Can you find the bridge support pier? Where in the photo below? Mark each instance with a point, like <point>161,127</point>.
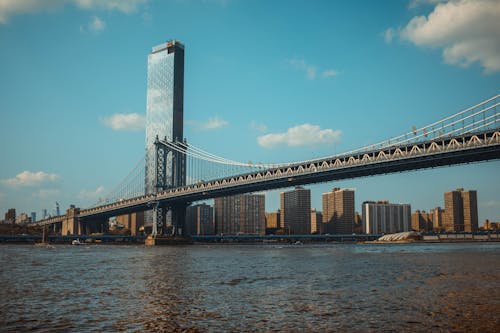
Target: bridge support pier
<point>71,223</point>
<point>178,219</point>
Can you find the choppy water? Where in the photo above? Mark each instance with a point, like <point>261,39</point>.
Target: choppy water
<point>251,288</point>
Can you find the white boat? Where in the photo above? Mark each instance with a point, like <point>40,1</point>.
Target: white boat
<point>77,242</point>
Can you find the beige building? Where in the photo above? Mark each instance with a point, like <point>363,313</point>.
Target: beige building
<point>422,221</point>
<point>460,211</point>
<point>240,214</point>
<point>132,222</point>
<point>273,220</point>
<point>338,211</point>
<point>316,221</point>
<point>295,207</point>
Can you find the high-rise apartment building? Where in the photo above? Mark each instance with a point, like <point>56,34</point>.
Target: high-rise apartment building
<point>10,216</point>
<point>295,207</point>
<point>165,115</point>
<point>461,213</point>
<point>384,217</point>
<point>273,220</point>
<point>427,221</point>
<point>240,214</point>
<point>316,221</point>
<point>338,211</point>
<point>200,220</point>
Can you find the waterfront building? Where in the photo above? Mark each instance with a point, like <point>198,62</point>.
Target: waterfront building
<point>460,211</point>
<point>422,221</point>
<point>295,207</point>
<point>240,214</point>
<point>23,218</point>
<point>33,217</point>
<point>316,221</point>
<point>44,214</point>
<point>272,222</point>
<point>200,220</point>
<point>10,216</point>
<point>358,223</point>
<point>384,217</point>
<point>338,211</point>
<point>165,115</point>
<point>133,222</point>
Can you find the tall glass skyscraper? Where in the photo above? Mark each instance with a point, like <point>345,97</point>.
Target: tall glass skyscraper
<point>165,109</point>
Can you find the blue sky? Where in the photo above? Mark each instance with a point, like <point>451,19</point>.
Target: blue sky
<point>73,88</point>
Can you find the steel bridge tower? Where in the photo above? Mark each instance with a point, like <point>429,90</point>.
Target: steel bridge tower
<point>165,168</point>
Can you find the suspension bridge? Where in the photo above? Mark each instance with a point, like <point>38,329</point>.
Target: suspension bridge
<point>470,135</point>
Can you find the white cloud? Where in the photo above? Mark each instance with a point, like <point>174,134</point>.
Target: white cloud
<point>96,24</point>
<point>215,123</point>
<point>389,35</point>
<point>91,194</point>
<point>302,65</point>
<point>468,31</point>
<point>46,193</point>
<point>311,71</point>
<point>259,127</point>
<point>301,135</point>
<point>125,122</point>
<point>9,8</point>
<point>329,72</point>
<point>28,178</point>
<point>211,124</point>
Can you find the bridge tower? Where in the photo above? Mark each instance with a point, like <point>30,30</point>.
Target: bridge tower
<point>164,120</point>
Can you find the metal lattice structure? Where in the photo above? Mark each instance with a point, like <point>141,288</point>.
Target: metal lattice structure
<point>470,135</point>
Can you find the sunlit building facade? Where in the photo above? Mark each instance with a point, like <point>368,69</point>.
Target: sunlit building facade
<point>461,212</point>
<point>338,211</point>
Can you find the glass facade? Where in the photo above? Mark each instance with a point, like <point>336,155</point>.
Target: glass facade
<point>164,111</point>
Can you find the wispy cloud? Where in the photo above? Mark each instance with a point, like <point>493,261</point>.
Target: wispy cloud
<point>9,8</point>
<point>124,6</point>
<point>491,203</point>
<point>46,193</point>
<point>91,194</point>
<point>28,178</point>
<point>301,135</point>
<point>259,127</point>
<point>95,25</point>
<point>467,31</point>
<point>329,72</point>
<point>211,124</point>
<point>310,70</point>
<point>125,122</point>
<point>389,35</point>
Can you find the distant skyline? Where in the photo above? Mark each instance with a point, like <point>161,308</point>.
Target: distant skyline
<point>284,80</point>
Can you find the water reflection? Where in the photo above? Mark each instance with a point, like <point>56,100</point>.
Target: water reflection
<point>251,288</point>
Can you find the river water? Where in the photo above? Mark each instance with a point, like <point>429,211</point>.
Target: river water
<point>251,288</point>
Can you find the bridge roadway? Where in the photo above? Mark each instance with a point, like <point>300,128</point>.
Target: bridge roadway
<point>467,148</point>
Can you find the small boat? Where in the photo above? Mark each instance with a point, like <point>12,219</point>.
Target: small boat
<point>77,242</point>
<point>297,243</point>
